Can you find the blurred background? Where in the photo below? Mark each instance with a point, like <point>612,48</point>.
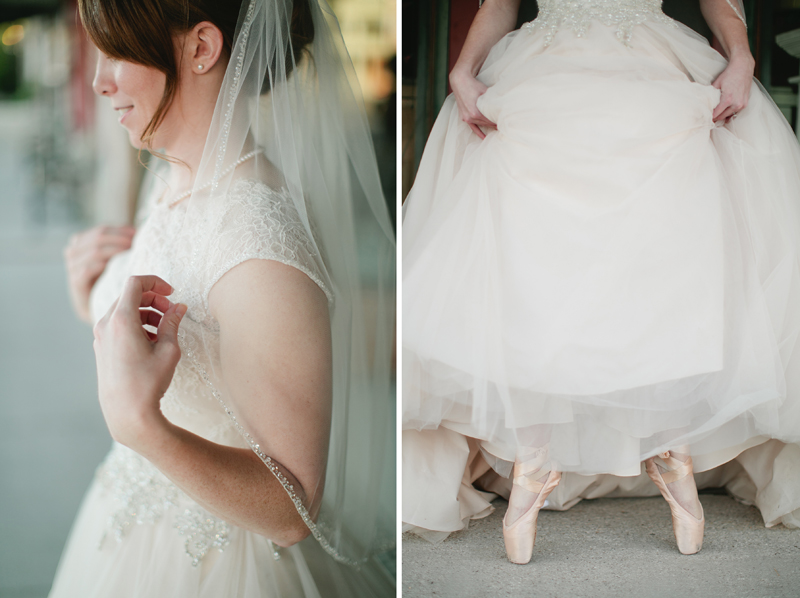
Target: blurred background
<point>435,30</point>
<point>66,165</point>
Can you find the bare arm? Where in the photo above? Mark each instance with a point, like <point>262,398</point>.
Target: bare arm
<point>726,26</point>
<point>735,81</point>
<point>276,359</point>
<point>494,20</point>
<point>231,483</point>
<point>86,258</point>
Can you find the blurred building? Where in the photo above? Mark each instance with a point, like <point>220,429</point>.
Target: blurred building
<point>369,28</point>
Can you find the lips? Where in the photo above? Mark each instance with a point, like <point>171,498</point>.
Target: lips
<point>123,111</point>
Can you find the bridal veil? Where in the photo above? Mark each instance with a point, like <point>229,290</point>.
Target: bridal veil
<point>290,107</point>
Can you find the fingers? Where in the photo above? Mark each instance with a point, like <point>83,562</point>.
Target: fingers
<point>135,302</point>
<point>728,115</point>
<point>477,131</point>
<point>476,123</point>
<point>87,273</point>
<point>147,317</point>
<point>150,317</point>
<point>88,253</point>
<point>95,256</point>
<point>475,120</point>
<point>134,291</point>
<point>118,236</point>
<point>720,109</point>
<point>102,322</point>
<point>734,96</point>
<point>727,112</point>
<point>475,126</point>
<point>468,90</point>
<point>167,345</point>
<point>150,282</point>
<point>105,246</point>
<point>155,301</point>
<point>113,232</point>
<point>481,120</point>
<point>147,284</point>
<point>485,123</point>
<point>727,107</point>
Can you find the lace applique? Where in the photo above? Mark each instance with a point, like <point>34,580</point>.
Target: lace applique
<point>262,223</point>
<point>186,384</point>
<point>139,496</point>
<point>577,15</point>
<point>142,495</point>
<point>171,402</point>
<point>203,532</point>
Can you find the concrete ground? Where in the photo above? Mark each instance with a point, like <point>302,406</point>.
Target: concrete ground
<point>613,547</point>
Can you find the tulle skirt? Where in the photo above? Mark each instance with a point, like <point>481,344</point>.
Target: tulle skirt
<point>608,275</point>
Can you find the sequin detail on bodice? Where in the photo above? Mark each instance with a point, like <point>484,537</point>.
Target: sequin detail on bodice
<point>255,222</point>
<point>142,495</point>
<point>555,15</point>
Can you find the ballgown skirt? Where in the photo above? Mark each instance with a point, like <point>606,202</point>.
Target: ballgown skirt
<point>608,275</point>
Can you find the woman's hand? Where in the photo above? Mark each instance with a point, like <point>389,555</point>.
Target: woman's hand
<point>134,366</point>
<point>467,89</point>
<point>86,257</point>
<point>734,84</point>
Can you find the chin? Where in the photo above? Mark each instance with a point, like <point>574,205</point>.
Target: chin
<point>135,139</point>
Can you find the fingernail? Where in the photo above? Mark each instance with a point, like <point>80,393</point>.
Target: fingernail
<point>181,310</point>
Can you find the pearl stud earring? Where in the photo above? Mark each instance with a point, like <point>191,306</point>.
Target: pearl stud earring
<point>199,67</point>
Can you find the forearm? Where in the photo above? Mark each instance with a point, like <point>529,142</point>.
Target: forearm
<point>727,28</point>
<point>494,20</point>
<point>231,483</point>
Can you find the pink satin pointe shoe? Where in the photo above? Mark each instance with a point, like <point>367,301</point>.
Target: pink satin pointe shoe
<point>520,536</point>
<point>688,528</point>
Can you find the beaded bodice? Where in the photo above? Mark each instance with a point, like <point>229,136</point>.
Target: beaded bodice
<point>256,222</point>
<point>555,15</point>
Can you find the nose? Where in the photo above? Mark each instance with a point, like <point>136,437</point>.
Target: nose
<point>103,84</point>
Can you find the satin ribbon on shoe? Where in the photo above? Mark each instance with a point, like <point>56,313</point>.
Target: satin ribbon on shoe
<point>688,529</point>
<point>520,536</point>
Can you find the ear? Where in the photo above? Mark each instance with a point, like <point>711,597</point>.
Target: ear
<point>205,44</point>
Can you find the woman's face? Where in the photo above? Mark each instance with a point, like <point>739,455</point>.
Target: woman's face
<point>135,92</point>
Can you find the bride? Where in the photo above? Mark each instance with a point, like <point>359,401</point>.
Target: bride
<point>231,330</point>
<point>601,269</point>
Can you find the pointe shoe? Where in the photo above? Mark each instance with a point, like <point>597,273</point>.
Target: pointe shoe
<point>688,528</point>
<point>520,536</point>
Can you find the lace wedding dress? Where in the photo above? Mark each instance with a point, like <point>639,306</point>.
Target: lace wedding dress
<point>137,534</point>
<point>609,275</point>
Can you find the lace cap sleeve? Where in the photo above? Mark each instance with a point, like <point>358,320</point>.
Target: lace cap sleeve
<point>259,222</point>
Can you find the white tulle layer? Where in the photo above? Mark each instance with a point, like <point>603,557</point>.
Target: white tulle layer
<point>610,272</point>
<point>151,561</point>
